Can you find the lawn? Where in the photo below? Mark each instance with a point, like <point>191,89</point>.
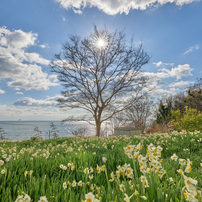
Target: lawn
<point>156,167</point>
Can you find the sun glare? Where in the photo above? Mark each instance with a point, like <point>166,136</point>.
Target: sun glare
<point>100,43</point>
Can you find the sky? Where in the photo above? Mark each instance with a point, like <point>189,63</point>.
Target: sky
<point>33,31</point>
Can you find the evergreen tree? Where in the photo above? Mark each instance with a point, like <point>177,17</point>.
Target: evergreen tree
<point>164,114</point>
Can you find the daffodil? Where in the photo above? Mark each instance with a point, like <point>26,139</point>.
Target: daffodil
<point>86,171</point>
<point>80,183</point>
<point>1,162</point>
<point>104,159</point>
<point>174,157</point>
<point>91,177</point>
<point>19,198</point>
<point>122,187</point>
<point>127,198</point>
<point>190,184</point>
<point>43,199</point>
<point>74,183</point>
<point>90,198</point>
<point>4,171</point>
<point>64,185</point>
<point>27,198</point>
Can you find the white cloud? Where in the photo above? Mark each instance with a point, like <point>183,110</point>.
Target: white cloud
<point>157,79</point>
<point>44,46</point>
<point>158,64</point>
<point>196,47</point>
<point>54,77</point>
<point>163,92</point>
<point>176,72</point>
<point>19,93</point>
<point>20,66</point>
<point>27,101</point>
<point>16,88</point>
<point>180,71</point>
<point>77,11</point>
<point>63,18</point>
<point>17,38</point>
<point>2,91</point>
<point>113,7</point>
<point>35,58</point>
<point>181,83</point>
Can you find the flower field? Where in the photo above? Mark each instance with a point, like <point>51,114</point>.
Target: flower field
<point>157,167</point>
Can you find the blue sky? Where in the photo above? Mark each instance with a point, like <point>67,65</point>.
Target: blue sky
<point>32,31</point>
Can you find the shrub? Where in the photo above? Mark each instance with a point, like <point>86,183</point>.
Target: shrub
<point>190,120</point>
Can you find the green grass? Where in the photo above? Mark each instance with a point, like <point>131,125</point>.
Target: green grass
<point>45,157</point>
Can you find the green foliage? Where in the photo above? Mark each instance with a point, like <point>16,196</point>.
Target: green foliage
<point>191,120</point>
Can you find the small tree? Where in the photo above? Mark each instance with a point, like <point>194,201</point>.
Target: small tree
<point>2,133</point>
<point>54,132</point>
<point>38,134</point>
<point>101,74</point>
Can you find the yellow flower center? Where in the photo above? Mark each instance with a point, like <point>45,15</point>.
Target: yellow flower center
<point>196,197</point>
<point>189,169</point>
<point>129,171</point>
<point>185,195</point>
<point>128,147</point>
<point>155,150</point>
<point>88,200</point>
<point>188,182</point>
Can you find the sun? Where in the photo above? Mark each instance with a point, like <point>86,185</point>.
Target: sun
<point>101,42</point>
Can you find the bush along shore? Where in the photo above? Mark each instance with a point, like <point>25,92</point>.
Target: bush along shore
<point>157,167</point>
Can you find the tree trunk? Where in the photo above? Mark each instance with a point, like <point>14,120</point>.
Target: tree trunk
<point>98,127</point>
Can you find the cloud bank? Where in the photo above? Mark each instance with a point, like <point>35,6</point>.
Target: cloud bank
<point>21,67</point>
<point>27,101</point>
<point>168,71</point>
<point>113,7</point>
<point>176,72</point>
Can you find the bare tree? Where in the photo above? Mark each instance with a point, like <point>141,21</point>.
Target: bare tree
<point>100,74</point>
<point>139,113</point>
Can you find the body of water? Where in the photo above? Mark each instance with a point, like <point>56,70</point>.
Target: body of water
<point>24,130</point>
